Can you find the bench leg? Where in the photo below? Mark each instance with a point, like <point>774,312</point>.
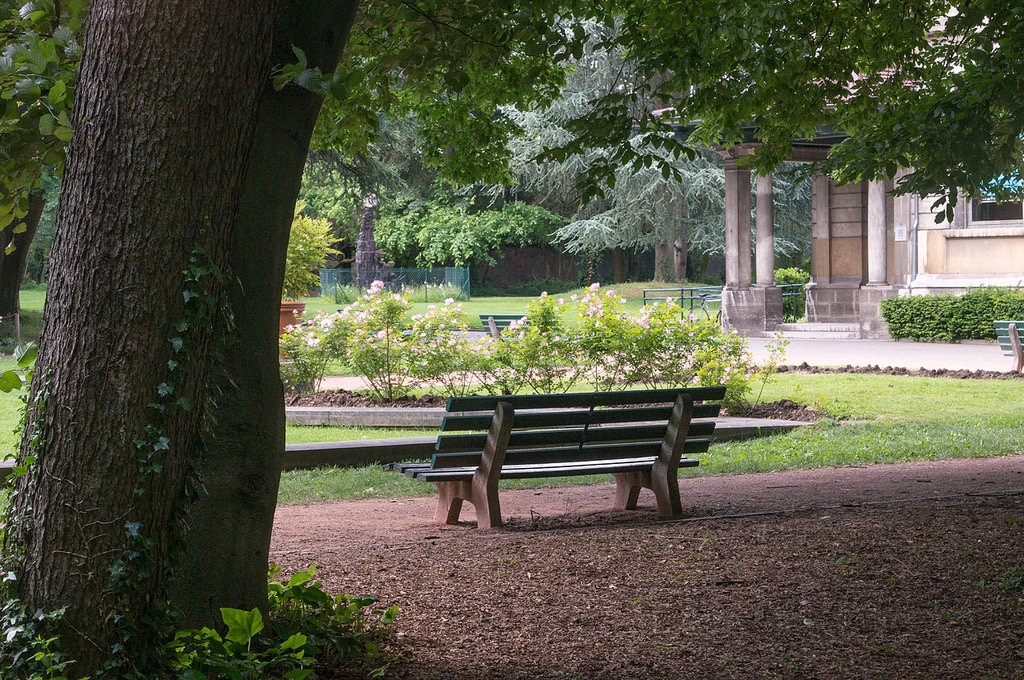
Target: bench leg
<point>450,496</point>
<point>482,489</point>
<point>665,485</point>
<point>449,501</point>
<point>627,488</point>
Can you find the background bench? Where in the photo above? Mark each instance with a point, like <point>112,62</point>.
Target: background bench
<point>1008,333</point>
<point>637,436</point>
<point>496,323</point>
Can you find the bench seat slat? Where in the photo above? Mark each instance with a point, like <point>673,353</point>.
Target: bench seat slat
<point>406,467</point>
<point>695,445</point>
<point>548,470</point>
<point>557,454</point>
<point>444,460</point>
<point>449,443</point>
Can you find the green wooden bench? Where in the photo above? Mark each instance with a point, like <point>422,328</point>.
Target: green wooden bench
<point>1008,334</point>
<point>638,436</point>
<point>496,323</point>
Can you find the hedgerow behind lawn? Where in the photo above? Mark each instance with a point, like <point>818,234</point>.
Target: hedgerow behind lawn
<point>870,419</point>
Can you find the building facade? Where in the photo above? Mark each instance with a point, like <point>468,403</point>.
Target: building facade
<point>867,245</point>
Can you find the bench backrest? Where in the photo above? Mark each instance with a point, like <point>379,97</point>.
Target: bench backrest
<point>575,427</point>
<point>1003,334</point>
<point>495,323</point>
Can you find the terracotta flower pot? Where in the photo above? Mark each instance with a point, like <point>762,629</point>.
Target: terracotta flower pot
<point>291,314</point>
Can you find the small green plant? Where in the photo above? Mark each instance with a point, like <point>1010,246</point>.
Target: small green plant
<point>309,243</point>
<point>28,648</point>
<point>239,653</point>
<point>306,627</point>
<point>1013,579</point>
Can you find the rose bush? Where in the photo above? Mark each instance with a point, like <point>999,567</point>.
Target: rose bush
<point>442,353</point>
<point>307,349</point>
<point>659,346</point>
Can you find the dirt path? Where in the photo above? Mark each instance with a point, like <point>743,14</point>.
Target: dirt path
<point>889,571</point>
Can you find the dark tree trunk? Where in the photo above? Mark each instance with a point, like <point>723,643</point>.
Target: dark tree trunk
<point>167,98</point>
<point>227,548</point>
<point>679,254</point>
<point>702,269</point>
<point>618,265</point>
<point>12,264</point>
<point>663,265</point>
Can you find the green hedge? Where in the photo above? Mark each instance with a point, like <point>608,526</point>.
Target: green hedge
<point>951,317</point>
<point>793,307</point>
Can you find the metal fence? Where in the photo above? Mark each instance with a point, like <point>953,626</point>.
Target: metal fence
<point>428,285</point>
<point>708,300</point>
<point>794,300</point>
<point>703,299</point>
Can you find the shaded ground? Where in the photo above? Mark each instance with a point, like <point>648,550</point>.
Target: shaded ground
<point>890,571</point>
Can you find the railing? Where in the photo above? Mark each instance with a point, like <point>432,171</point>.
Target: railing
<point>794,296</point>
<point>699,299</point>
<point>430,285</point>
<point>691,300</point>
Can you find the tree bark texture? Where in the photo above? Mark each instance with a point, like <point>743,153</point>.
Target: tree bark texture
<point>165,113</point>
<point>227,547</point>
<point>663,265</point>
<point>619,268</point>
<point>12,264</point>
<point>680,251</point>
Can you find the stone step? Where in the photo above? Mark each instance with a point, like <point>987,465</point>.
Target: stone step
<point>821,331</point>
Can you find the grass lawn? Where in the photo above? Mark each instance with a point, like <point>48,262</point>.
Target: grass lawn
<point>871,419</point>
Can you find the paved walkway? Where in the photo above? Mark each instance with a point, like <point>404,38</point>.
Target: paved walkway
<point>974,356</point>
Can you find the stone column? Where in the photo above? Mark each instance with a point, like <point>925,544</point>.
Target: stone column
<point>737,225</point>
<point>765,211</point>
<point>876,234</point>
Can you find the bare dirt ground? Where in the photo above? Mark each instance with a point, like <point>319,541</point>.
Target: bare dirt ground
<point>890,571</point>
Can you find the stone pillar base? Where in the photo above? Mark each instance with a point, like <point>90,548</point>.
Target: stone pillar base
<point>831,303</point>
<point>753,312</point>
<point>871,323</point>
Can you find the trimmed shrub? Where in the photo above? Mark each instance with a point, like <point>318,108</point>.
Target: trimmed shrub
<point>952,318</point>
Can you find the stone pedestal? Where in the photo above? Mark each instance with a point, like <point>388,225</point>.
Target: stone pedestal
<point>754,312</point>
<point>871,323</point>
<point>833,303</point>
